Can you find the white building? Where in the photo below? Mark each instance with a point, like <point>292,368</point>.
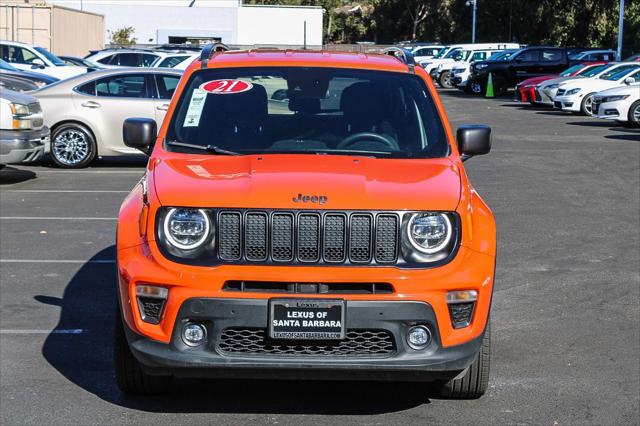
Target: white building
<point>228,21</point>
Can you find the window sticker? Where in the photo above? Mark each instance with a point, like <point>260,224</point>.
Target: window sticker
<point>194,112</point>
<point>226,86</point>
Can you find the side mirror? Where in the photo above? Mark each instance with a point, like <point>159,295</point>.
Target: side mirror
<point>629,80</point>
<point>473,139</point>
<point>37,63</point>
<point>140,133</point>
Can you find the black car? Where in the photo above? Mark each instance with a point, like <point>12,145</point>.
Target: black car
<point>17,84</point>
<point>526,63</point>
<point>36,78</point>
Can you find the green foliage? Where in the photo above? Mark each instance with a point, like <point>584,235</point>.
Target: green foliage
<point>122,36</point>
<point>588,23</point>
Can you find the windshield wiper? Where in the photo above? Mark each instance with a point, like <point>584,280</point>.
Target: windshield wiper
<point>208,148</point>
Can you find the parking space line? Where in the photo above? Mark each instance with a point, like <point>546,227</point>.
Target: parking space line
<point>90,191</point>
<point>54,218</point>
<point>55,331</point>
<point>94,261</point>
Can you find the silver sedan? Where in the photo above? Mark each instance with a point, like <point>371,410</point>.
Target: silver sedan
<point>85,113</point>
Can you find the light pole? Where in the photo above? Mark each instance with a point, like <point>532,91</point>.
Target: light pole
<point>474,4</point>
<point>620,30</point>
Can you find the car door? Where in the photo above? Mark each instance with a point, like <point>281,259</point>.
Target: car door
<point>21,57</point>
<point>165,87</point>
<point>525,65</point>
<point>115,98</point>
<point>551,62</point>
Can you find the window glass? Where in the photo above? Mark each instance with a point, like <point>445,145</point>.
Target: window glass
<point>87,88</point>
<point>127,60</point>
<point>571,70</point>
<point>122,86</point>
<point>478,56</point>
<point>617,73</point>
<point>17,55</point>
<point>172,61</point>
<point>592,71</point>
<point>551,55</point>
<point>529,56</point>
<point>636,76</point>
<point>167,85</point>
<point>50,56</point>
<point>106,60</point>
<point>310,110</point>
<point>148,59</point>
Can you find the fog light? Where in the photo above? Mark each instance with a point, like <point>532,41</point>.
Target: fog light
<point>193,334</point>
<point>419,337</point>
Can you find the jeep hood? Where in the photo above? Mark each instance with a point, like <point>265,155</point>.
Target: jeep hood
<point>273,181</point>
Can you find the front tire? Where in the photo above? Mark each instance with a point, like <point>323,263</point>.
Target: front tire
<point>445,80</point>
<point>73,146</point>
<point>586,107</point>
<point>130,376</point>
<point>474,383</point>
<point>634,114</point>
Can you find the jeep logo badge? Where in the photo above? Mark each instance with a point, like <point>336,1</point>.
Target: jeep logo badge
<point>321,199</point>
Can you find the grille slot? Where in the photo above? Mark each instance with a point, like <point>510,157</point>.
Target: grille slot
<point>229,236</point>
<point>334,237</point>
<point>255,236</point>
<point>308,237</point>
<point>357,343</point>
<point>282,237</point>
<point>360,238</point>
<point>307,288</point>
<point>386,238</point>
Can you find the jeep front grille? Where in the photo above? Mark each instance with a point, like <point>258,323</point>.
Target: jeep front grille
<point>307,237</point>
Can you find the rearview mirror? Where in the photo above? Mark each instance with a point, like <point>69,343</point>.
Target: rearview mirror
<point>140,133</point>
<point>473,139</point>
<point>629,80</point>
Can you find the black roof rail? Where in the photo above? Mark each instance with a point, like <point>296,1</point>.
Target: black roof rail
<point>402,55</point>
<point>209,50</point>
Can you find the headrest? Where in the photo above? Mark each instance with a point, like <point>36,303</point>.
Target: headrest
<point>305,105</point>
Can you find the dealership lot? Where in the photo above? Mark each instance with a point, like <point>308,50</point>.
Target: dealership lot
<point>564,190</point>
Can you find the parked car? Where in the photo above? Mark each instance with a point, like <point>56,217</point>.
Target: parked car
<point>593,56</point>
<point>422,52</point>
<point>462,71</point>
<point>620,103</point>
<point>525,91</point>
<point>125,57</point>
<point>577,95</point>
<point>455,53</point>
<point>35,78</point>
<point>443,74</point>
<point>35,58</point>
<point>86,113</point>
<point>81,62</point>
<point>179,61</point>
<point>244,253</point>
<point>23,135</point>
<point>634,58</point>
<point>528,62</point>
<point>545,92</point>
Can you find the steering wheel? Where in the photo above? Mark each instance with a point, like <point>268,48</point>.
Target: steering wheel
<point>361,136</point>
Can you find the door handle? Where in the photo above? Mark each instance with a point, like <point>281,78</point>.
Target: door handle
<point>163,107</point>
<point>91,104</point>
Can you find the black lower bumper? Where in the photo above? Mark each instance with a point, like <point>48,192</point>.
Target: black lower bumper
<point>209,360</point>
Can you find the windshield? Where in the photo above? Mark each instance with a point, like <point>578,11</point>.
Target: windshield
<point>453,53</point>
<point>309,110</point>
<point>571,70</point>
<point>51,57</point>
<point>593,71</point>
<point>501,56</point>
<point>7,66</point>
<point>617,73</point>
<point>441,53</point>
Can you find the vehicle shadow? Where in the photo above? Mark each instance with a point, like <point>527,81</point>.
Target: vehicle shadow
<point>635,138</point>
<point>120,161</point>
<point>594,123</point>
<point>85,359</point>
<point>9,175</point>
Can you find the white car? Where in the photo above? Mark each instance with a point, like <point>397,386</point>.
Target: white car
<point>86,113</point>
<point>546,91</point>
<point>35,58</point>
<point>577,95</point>
<point>454,53</point>
<point>620,103</point>
<point>426,51</point>
<point>123,57</point>
<point>444,71</point>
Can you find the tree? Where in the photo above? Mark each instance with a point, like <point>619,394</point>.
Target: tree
<point>122,36</point>
<point>418,11</point>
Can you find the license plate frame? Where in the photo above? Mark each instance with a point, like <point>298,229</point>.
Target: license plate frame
<point>308,310</point>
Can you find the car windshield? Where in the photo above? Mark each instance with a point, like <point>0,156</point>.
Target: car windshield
<point>593,71</point>
<point>7,66</point>
<point>571,70</point>
<point>617,73</point>
<point>51,57</point>
<point>441,53</point>
<point>308,110</point>
<point>453,54</point>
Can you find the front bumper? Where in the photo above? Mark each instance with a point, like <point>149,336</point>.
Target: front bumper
<point>23,145</point>
<point>567,103</point>
<point>178,359</point>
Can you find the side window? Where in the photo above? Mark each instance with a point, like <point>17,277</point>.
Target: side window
<point>171,61</point>
<point>478,56</point>
<point>148,59</point>
<point>167,85</point>
<point>421,52</point>
<point>127,60</point>
<point>106,60</point>
<point>87,88</point>
<point>529,56</point>
<point>636,76</point>
<point>551,55</point>
<point>123,86</point>
<point>17,55</point>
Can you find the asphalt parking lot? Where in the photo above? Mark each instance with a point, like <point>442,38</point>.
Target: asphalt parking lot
<point>565,319</point>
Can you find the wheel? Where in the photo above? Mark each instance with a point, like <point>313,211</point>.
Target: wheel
<point>130,377</point>
<point>634,114</point>
<point>476,88</point>
<point>73,146</point>
<point>586,107</point>
<point>475,381</point>
<point>445,80</point>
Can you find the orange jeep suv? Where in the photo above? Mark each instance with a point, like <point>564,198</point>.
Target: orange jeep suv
<point>305,214</point>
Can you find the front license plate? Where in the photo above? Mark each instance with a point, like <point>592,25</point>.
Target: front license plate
<point>302,319</point>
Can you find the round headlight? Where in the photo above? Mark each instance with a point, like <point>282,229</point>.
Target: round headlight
<point>185,228</point>
<point>429,232</point>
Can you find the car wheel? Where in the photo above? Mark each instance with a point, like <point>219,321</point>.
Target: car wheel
<point>73,146</point>
<point>586,107</point>
<point>445,80</point>
<point>473,384</point>
<point>634,114</point>
<point>130,376</point>
<point>476,88</point>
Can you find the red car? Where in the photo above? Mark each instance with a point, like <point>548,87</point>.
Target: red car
<point>525,91</point>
